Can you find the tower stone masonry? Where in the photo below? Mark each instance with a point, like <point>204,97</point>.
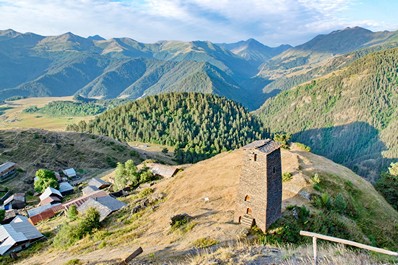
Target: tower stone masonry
<point>259,195</point>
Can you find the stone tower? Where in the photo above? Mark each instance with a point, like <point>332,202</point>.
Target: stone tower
<point>259,196</point>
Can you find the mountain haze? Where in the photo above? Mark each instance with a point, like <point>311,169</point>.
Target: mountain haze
<point>64,65</point>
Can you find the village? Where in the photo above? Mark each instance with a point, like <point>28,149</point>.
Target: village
<point>18,231</point>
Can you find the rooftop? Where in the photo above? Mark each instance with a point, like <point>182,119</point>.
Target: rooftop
<point>266,146</point>
<point>163,170</point>
<point>48,192</point>
<point>99,183</point>
<point>6,165</point>
<point>104,205</point>
<point>70,172</point>
<point>16,196</point>
<point>18,230</point>
<point>65,186</point>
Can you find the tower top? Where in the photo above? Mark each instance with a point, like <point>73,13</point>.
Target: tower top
<point>266,146</point>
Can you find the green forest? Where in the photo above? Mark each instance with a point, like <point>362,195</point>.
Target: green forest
<point>67,108</point>
<point>350,116</point>
<point>197,125</point>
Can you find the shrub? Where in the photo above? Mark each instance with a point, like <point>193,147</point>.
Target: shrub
<point>204,242</point>
<point>286,176</point>
<point>283,139</point>
<point>340,204</point>
<point>165,150</point>
<point>303,147</point>
<point>72,232</point>
<point>73,262</point>
<point>72,212</point>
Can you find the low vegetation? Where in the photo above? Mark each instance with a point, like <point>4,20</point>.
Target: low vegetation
<point>286,176</point>
<point>387,185</point>
<point>75,230</point>
<point>204,242</point>
<point>127,175</point>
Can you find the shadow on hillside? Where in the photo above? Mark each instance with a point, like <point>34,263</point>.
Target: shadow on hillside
<point>356,145</point>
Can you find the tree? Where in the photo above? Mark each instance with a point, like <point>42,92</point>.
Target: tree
<point>45,178</point>
<point>387,185</point>
<point>2,214</point>
<point>283,139</point>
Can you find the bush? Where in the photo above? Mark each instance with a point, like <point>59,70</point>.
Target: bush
<point>204,242</point>
<point>303,147</point>
<point>72,212</point>
<point>340,204</point>
<point>283,139</point>
<point>73,232</point>
<point>165,150</point>
<point>387,185</point>
<point>286,176</point>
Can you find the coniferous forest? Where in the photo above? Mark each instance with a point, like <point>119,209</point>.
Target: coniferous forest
<point>197,125</point>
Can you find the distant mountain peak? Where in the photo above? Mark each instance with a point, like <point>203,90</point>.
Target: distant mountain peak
<point>96,37</point>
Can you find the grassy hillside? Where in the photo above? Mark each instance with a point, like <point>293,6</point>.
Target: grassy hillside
<point>35,149</point>
<point>349,116</point>
<point>14,116</point>
<point>198,125</point>
<point>374,222</point>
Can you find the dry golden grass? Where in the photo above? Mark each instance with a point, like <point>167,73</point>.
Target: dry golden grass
<point>15,118</point>
<point>216,179</point>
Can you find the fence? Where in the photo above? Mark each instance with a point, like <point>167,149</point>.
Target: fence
<point>315,236</point>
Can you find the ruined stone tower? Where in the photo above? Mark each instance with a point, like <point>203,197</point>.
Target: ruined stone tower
<point>259,196</point>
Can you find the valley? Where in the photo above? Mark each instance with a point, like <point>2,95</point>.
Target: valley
<point>168,129</point>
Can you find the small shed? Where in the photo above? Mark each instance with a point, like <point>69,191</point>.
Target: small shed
<point>70,173</point>
<point>98,183</point>
<point>15,201</point>
<point>104,205</point>
<point>17,235</point>
<point>163,170</point>
<point>89,189</point>
<point>65,188</point>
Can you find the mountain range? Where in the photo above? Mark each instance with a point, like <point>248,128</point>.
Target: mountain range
<point>246,71</point>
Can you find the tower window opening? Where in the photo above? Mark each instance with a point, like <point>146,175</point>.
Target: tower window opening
<point>248,211</point>
<point>247,198</point>
<point>255,157</point>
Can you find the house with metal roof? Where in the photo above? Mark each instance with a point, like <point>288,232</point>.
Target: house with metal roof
<point>50,196</point>
<point>89,189</point>
<point>17,235</point>
<point>104,205</point>
<point>44,212</point>
<point>70,173</point>
<point>15,201</point>
<point>99,183</point>
<point>65,188</point>
<point>164,171</point>
<point>7,169</point>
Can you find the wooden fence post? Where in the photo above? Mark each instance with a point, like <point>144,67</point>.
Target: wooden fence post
<point>314,246</point>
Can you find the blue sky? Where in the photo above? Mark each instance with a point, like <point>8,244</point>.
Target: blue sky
<point>272,22</point>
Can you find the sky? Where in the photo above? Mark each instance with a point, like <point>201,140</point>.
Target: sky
<point>273,22</point>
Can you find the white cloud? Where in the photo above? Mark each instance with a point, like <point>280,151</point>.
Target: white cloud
<point>270,21</point>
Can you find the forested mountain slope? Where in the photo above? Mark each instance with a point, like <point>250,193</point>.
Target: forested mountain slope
<point>323,54</point>
<point>350,116</point>
<point>198,125</point>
